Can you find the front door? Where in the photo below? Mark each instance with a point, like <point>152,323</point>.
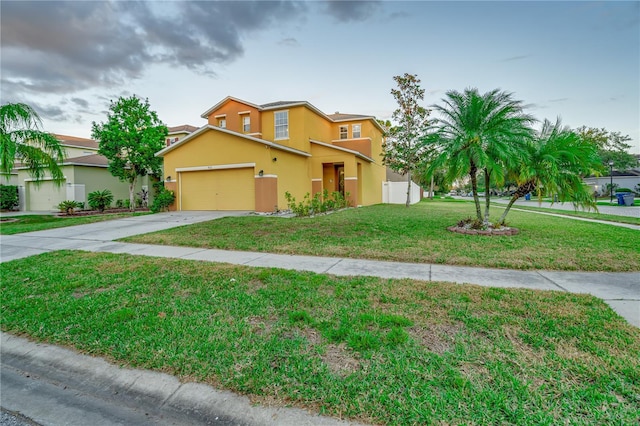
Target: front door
<point>339,179</point>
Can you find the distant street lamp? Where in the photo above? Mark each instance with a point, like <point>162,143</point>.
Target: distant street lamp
<point>611,184</point>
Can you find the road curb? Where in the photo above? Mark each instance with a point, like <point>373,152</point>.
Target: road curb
<point>158,394</point>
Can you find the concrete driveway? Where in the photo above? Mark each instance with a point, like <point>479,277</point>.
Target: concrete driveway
<point>81,237</point>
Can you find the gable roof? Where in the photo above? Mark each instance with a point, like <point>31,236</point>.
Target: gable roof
<point>224,101</point>
<point>94,160</point>
<point>77,142</point>
<point>337,117</point>
<point>185,128</point>
<point>209,127</point>
<point>348,117</point>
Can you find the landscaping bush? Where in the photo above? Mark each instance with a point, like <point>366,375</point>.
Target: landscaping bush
<point>100,200</point>
<point>320,203</point>
<point>119,204</point>
<point>9,197</point>
<point>163,199</point>
<point>69,206</point>
<point>623,190</point>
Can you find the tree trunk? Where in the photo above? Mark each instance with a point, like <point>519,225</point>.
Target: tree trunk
<point>521,191</point>
<point>487,195</point>
<point>431,190</point>
<point>132,195</point>
<point>473,170</point>
<point>408,203</point>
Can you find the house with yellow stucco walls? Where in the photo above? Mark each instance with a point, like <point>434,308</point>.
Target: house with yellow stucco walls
<point>248,156</point>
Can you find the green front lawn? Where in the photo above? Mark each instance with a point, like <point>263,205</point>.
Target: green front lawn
<point>29,223</point>
<point>369,349</point>
<point>419,234</point>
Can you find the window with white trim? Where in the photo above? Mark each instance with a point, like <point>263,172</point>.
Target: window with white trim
<point>246,124</point>
<point>344,132</point>
<point>222,123</point>
<point>356,131</point>
<point>281,120</point>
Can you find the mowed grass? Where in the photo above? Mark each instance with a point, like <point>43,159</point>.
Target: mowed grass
<point>419,234</point>
<point>29,223</point>
<point>374,350</point>
<point>588,215</point>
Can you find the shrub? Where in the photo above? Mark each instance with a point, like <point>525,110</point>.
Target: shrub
<point>318,204</point>
<point>143,201</point>
<point>100,200</point>
<point>623,190</point>
<point>119,204</point>
<point>163,199</point>
<point>9,197</point>
<point>69,206</point>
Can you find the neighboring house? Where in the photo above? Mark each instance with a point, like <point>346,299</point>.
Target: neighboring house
<point>179,132</point>
<point>84,170</point>
<point>627,179</point>
<point>248,156</point>
<point>394,190</point>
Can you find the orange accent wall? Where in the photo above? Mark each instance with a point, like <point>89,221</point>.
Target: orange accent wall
<point>316,186</point>
<point>361,145</point>
<point>266,194</point>
<point>351,186</point>
<point>231,108</point>
<point>171,186</point>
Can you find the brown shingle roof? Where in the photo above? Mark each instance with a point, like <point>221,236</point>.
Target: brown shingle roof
<point>281,103</point>
<point>185,128</point>
<point>344,117</point>
<point>76,141</point>
<point>87,160</point>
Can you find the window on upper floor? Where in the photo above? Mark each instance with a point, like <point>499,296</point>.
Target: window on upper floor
<point>246,124</point>
<point>344,132</point>
<point>281,119</point>
<point>355,131</point>
<point>222,123</point>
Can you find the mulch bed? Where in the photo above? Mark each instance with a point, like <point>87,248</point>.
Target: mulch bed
<point>490,231</point>
<point>96,212</point>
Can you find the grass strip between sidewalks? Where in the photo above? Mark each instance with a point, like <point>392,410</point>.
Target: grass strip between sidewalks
<point>374,350</point>
<point>30,223</point>
<point>576,213</point>
<point>419,234</point>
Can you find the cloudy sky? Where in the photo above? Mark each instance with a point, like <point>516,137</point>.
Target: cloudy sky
<point>579,60</point>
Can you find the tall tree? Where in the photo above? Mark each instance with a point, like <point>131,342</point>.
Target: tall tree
<point>404,146</point>
<point>21,139</point>
<point>557,161</point>
<point>480,133</point>
<point>612,146</point>
<point>130,138</point>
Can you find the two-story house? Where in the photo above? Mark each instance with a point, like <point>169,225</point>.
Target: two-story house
<point>248,156</point>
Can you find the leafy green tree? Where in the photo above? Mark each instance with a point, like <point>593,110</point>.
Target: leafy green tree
<point>404,147</point>
<point>612,146</point>
<point>21,139</point>
<point>557,161</point>
<point>480,133</point>
<point>130,138</point>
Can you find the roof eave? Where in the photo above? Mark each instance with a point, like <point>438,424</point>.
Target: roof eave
<point>339,148</point>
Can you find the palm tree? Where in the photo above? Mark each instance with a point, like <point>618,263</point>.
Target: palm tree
<point>558,159</point>
<point>22,140</point>
<point>480,133</point>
